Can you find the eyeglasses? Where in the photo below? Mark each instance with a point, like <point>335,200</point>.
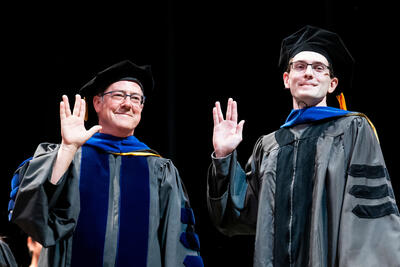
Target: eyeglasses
<point>317,67</point>
<point>120,96</point>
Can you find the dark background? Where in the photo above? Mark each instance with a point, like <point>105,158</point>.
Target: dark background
<point>200,52</point>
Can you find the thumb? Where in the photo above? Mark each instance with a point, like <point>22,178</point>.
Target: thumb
<point>93,130</point>
<point>239,127</point>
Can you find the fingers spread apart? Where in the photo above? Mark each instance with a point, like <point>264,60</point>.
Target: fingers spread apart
<point>79,107</point>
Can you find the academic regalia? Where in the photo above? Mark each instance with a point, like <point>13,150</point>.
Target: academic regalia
<point>6,256</point>
<point>118,204</point>
<point>316,192</point>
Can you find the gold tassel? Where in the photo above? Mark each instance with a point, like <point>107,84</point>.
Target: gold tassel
<point>342,101</point>
<point>87,110</point>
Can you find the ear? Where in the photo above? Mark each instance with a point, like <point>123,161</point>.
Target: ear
<point>333,85</point>
<point>97,101</point>
<point>29,243</point>
<point>286,80</point>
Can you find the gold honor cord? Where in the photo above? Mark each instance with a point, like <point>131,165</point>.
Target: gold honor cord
<point>369,121</point>
<point>143,154</point>
<point>342,104</point>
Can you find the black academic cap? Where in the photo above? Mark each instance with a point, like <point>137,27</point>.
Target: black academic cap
<point>124,70</point>
<point>324,42</point>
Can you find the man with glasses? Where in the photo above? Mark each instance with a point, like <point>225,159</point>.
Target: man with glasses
<point>102,197</point>
<point>316,192</point>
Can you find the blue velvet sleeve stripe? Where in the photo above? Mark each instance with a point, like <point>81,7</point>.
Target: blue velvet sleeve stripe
<point>14,189</point>
<point>193,261</point>
<point>376,211</point>
<point>367,171</point>
<point>13,194</point>
<point>369,192</point>
<point>28,159</point>
<point>190,240</point>
<point>11,205</point>
<point>187,216</point>
<point>15,181</point>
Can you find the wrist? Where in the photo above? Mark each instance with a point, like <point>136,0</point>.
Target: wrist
<point>68,148</point>
<point>221,154</point>
<point>65,156</point>
<point>214,156</point>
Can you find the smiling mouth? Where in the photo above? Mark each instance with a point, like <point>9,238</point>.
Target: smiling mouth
<point>124,114</point>
<point>308,84</point>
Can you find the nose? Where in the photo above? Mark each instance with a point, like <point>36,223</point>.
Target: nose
<point>126,101</point>
<point>309,71</point>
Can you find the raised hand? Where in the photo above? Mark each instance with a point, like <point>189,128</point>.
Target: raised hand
<point>74,135</point>
<point>73,131</point>
<point>227,133</point>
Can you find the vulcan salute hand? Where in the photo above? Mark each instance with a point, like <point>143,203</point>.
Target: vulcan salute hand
<point>73,131</point>
<point>74,135</point>
<point>227,133</point>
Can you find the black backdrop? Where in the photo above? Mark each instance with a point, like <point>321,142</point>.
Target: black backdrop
<point>200,52</point>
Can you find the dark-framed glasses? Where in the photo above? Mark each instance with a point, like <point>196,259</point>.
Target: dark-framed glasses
<point>120,96</point>
<point>317,67</point>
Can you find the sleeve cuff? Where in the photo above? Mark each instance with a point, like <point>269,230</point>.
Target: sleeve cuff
<point>221,164</point>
